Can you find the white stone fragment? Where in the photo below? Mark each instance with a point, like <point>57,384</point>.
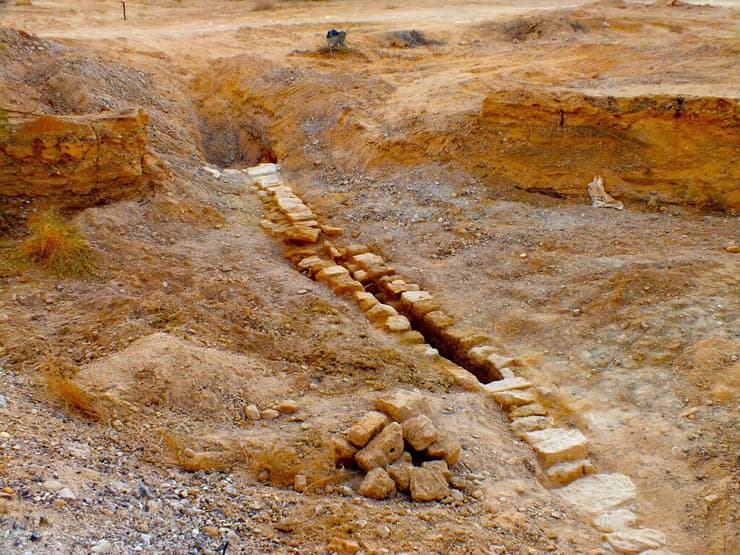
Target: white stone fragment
<point>635,541</point>
<point>555,445</point>
<point>613,521</point>
<point>599,492</point>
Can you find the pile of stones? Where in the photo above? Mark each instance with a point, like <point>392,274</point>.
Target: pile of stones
<point>400,449</point>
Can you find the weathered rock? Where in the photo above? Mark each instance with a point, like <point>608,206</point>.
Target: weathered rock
<point>260,170</point>
<point>599,492</point>
<point>419,432</point>
<point>439,466</point>
<point>427,485</point>
<point>410,298</point>
<point>379,313</point>
<point>252,412</point>
<point>533,409</point>
<point>614,521</point>
<point>424,306</point>
<point>366,427</point>
<point>498,361</point>
<point>555,445</point>
<point>342,546</point>
<point>478,354</point>
<point>506,384</point>
<point>301,235</point>
<point>521,426</point>
<point>309,261</point>
<point>397,324</point>
<point>565,472</point>
<point>444,447</point>
<point>288,406</point>
<point>300,482</point>
<point>66,493</point>
<point>343,452</point>
<point>437,321</point>
<point>331,230</point>
<point>270,414</point>
<point>377,485</point>
<point>400,472</point>
<point>367,259</point>
<point>332,272</point>
<point>403,404</point>
<point>635,541</point>
<point>383,449</point>
<point>102,547</point>
<point>411,337</point>
<point>365,300</point>
<point>658,552</point>
<point>514,397</point>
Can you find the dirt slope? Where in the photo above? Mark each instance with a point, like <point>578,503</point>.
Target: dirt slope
<point>439,157</point>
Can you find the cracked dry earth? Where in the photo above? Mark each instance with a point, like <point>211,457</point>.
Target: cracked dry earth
<point>425,251</point>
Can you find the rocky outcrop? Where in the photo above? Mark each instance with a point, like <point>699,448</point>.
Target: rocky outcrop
<point>74,161</point>
<point>664,149</point>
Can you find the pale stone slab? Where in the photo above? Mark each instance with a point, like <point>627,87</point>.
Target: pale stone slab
<point>506,384</point>
<point>555,445</point>
<point>409,298</point>
<point>498,361</point>
<point>367,259</point>
<point>565,472</point>
<point>327,274</point>
<point>380,313</point>
<point>599,492</point>
<point>635,541</point>
<point>479,354</point>
<point>397,324</point>
<point>365,300</point>
<point>533,409</point>
<point>307,262</point>
<point>616,520</point>
<point>419,432</point>
<point>262,169</point>
<point>301,235</point>
<point>515,397</point>
<point>403,404</point>
<point>521,426</point>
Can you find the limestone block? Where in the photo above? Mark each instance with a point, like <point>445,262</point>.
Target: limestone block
<point>427,485</point>
<point>262,169</point>
<point>379,313</point>
<point>342,546</point>
<point>378,270</point>
<point>599,492</point>
<point>533,409</point>
<point>403,404</point>
<point>461,338</point>
<point>367,259</point>
<point>327,274</point>
<point>565,472</point>
<point>307,262</point>
<point>287,203</point>
<point>316,267</point>
<point>331,230</point>
<point>437,321</point>
<point>395,288</point>
<point>514,397</point>
<point>303,215</point>
<point>424,306</point>
<point>365,300</point>
<point>362,276</point>
<point>343,452</point>
<point>419,432</point>
<point>301,235</point>
<point>499,361</point>
<point>366,427</point>
<point>478,354</point>
<point>505,385</point>
<point>400,472</point>
<point>460,375</point>
<point>344,285</point>
<point>555,445</point>
<point>377,485</point>
<point>444,447</point>
<point>616,520</point>
<point>411,337</point>
<point>635,541</point>
<point>383,449</point>
<point>506,373</point>
<point>397,324</point>
<point>297,253</point>
<point>521,426</point>
<point>281,191</point>
<point>439,466</point>
<point>409,298</point>
<point>356,249</point>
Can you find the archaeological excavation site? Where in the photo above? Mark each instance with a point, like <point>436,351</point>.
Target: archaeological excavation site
<point>354,278</point>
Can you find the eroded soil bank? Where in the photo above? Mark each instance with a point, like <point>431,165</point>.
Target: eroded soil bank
<point>460,154</point>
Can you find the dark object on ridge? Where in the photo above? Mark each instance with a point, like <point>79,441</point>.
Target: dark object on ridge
<point>412,39</point>
<point>336,38</point>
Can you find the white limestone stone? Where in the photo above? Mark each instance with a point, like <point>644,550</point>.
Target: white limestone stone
<point>599,492</point>
<point>556,445</point>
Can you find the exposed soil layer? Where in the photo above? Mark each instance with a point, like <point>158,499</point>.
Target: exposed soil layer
<point>463,160</point>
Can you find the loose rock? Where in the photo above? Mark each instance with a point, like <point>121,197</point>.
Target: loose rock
<point>428,485</point>
<point>377,485</point>
<point>403,404</point>
<point>383,449</point>
<point>635,541</point>
<point>419,432</point>
<point>366,427</point>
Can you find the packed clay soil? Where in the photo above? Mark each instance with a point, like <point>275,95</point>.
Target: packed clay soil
<point>628,322</point>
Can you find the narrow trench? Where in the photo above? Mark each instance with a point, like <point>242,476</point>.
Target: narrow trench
<point>452,342</point>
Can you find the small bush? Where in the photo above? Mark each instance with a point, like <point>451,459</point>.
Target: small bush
<point>56,246</point>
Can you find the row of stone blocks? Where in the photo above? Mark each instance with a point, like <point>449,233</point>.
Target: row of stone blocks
<point>563,453</point>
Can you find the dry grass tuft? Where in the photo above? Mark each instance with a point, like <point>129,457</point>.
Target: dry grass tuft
<point>56,246</point>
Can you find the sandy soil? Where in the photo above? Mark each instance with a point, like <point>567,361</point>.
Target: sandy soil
<point>629,321</point>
